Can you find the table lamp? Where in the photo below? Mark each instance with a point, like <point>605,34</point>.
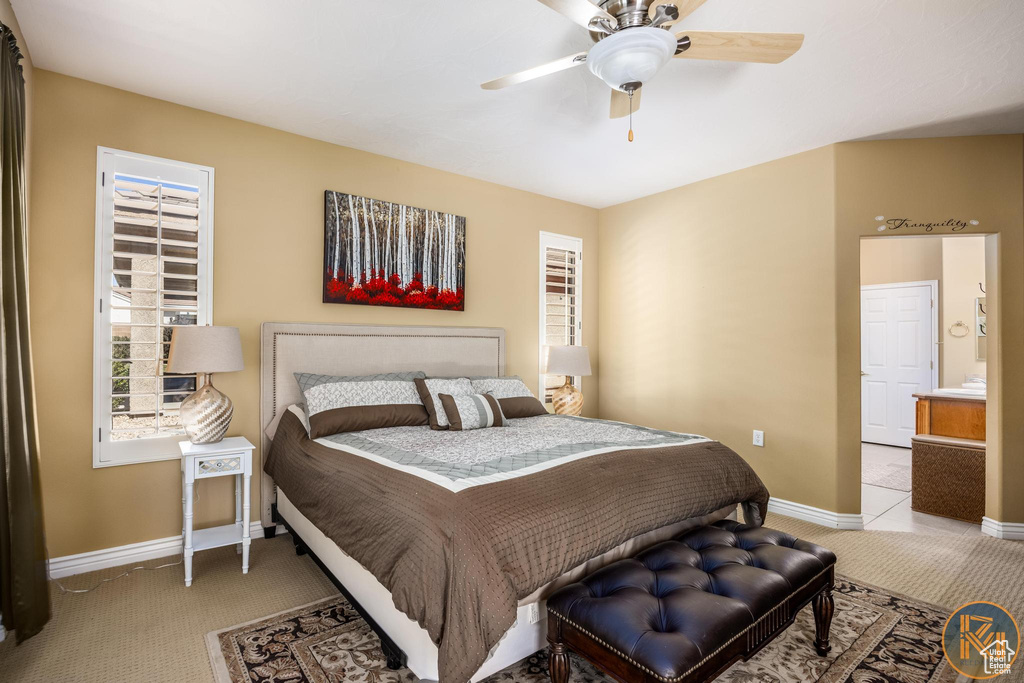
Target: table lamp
<point>571,361</point>
<point>203,350</point>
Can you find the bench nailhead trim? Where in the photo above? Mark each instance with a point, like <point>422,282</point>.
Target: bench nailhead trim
<point>784,603</point>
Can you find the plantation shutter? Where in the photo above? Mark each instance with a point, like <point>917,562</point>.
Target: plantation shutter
<point>153,274</point>
<point>561,325</point>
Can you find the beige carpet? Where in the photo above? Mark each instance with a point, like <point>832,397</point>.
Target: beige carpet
<point>149,627</point>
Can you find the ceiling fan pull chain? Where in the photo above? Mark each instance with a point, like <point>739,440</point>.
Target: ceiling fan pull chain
<point>631,116</point>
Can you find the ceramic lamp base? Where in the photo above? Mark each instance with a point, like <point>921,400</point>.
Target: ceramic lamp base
<point>567,400</point>
<point>206,414</point>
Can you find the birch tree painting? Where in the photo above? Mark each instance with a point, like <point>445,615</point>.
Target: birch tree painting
<point>385,254</point>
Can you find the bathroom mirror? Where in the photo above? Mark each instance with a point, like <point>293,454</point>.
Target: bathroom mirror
<point>979,328</point>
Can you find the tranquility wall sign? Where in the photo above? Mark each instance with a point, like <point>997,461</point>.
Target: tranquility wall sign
<point>379,253</point>
<point>954,224</point>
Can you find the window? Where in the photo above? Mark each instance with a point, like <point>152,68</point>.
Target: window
<point>561,273</point>
<point>154,234</point>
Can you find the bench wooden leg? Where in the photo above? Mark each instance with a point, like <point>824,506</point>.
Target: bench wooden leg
<point>558,663</point>
<point>824,607</point>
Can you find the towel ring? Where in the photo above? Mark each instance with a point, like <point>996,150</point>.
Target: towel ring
<point>959,329</point>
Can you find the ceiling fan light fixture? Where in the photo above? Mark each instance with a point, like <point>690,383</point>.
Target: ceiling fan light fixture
<point>632,55</point>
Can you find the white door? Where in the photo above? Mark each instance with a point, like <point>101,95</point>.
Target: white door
<point>897,358</point>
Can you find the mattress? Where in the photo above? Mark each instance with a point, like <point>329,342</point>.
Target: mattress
<point>462,526</point>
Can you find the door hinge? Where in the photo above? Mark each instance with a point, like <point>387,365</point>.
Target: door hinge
<point>931,364</point>
<point>99,434</point>
<point>103,179</point>
<point>101,305</point>
<point>933,303</point>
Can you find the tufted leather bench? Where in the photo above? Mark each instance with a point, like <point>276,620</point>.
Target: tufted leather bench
<point>686,609</point>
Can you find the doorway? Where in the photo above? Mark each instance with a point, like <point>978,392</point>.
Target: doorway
<point>921,336</point>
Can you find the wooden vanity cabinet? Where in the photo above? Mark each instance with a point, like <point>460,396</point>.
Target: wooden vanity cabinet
<point>948,467</point>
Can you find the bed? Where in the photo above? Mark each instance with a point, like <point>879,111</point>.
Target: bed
<point>449,542</point>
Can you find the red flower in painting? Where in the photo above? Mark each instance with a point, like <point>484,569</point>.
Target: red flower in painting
<point>417,300</point>
<point>431,291</point>
<point>385,299</point>
<point>449,299</point>
<point>415,286</point>
<point>336,289</point>
<point>356,295</point>
<point>375,286</point>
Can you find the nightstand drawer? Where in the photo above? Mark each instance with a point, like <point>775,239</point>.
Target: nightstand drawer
<point>217,465</point>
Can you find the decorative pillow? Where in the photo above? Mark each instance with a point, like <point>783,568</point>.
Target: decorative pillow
<point>474,411</point>
<point>351,404</point>
<point>513,395</point>
<point>429,390</point>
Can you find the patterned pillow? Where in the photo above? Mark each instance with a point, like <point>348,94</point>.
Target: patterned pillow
<point>351,404</point>
<point>474,411</point>
<point>515,397</point>
<point>430,388</point>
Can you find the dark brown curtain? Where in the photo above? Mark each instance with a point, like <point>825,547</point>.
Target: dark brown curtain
<point>24,595</point>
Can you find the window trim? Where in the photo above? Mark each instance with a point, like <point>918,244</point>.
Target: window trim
<point>567,242</point>
<point>147,450</point>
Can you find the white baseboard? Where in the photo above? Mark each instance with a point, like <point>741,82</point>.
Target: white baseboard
<point>127,554</point>
<point>834,520</point>
<point>1011,531</point>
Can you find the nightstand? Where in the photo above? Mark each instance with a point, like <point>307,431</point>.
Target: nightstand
<point>230,457</point>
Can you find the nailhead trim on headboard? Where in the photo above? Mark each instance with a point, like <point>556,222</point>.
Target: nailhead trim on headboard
<point>497,359</point>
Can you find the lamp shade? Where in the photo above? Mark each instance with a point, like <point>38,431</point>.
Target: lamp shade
<point>633,55</point>
<point>205,349</point>
<point>571,361</point>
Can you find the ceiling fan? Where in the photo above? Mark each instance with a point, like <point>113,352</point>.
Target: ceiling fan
<point>635,39</point>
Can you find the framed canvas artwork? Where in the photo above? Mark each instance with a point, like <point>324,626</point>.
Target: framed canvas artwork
<point>379,253</point>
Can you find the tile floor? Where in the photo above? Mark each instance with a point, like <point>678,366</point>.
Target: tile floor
<point>889,510</point>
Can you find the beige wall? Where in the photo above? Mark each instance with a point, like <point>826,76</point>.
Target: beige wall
<point>734,304</point>
<point>269,224</point>
<point>963,267</point>
<point>973,178</point>
<point>728,305</point>
<point>718,317</point>
<point>902,259</point>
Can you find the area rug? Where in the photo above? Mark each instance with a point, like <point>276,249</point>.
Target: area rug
<point>877,637</point>
<point>896,477</point>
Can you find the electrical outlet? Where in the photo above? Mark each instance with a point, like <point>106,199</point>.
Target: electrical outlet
<point>759,438</point>
<point>534,612</point>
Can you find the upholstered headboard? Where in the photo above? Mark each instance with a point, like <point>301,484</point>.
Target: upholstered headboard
<point>331,349</point>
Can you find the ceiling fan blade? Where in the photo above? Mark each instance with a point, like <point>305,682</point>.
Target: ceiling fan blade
<point>580,11</point>
<point>685,7</point>
<point>765,48</point>
<point>536,72</point>
<point>620,103</point>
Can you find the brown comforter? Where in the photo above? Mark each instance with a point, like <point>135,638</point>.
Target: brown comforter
<point>458,563</point>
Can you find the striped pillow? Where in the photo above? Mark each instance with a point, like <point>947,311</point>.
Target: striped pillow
<point>515,397</point>
<point>472,411</point>
<point>351,404</point>
<point>430,391</point>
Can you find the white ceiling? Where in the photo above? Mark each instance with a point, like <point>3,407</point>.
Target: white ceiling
<point>401,78</point>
